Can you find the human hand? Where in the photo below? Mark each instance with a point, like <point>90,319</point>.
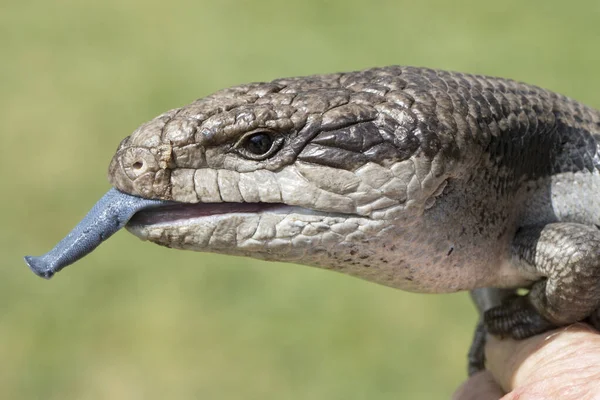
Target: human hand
<point>561,364</point>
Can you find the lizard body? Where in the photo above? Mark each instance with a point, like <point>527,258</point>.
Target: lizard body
<point>424,180</point>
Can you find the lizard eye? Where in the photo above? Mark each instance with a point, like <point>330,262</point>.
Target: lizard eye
<point>259,145</point>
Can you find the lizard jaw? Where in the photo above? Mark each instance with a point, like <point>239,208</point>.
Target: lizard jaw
<point>187,211</point>
<point>274,231</point>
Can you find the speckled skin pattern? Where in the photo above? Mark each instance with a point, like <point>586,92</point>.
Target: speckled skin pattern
<point>424,180</point>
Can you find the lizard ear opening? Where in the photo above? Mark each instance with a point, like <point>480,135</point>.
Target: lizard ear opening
<point>259,144</point>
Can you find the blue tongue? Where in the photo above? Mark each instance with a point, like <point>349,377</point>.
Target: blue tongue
<point>108,215</point>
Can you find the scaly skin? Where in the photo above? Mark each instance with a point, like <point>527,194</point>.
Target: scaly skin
<point>423,180</point>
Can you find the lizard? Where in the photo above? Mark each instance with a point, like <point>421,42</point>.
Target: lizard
<point>419,179</point>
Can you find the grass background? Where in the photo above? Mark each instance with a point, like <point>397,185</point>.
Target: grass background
<point>136,321</point>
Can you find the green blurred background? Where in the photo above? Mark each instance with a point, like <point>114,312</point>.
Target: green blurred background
<point>136,321</point>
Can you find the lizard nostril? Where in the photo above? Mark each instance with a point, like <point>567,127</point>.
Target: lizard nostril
<point>137,162</point>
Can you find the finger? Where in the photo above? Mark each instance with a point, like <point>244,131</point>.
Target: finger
<point>480,386</point>
<point>549,362</point>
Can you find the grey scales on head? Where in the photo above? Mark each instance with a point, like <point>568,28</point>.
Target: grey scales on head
<point>423,180</point>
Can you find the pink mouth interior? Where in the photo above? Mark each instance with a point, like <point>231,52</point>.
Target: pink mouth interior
<point>183,211</point>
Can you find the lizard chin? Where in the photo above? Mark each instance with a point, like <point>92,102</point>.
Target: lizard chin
<point>347,243</point>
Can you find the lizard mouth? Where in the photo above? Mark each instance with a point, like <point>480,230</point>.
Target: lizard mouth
<point>116,210</point>
<point>187,211</point>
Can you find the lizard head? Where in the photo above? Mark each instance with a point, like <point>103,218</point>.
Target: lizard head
<point>314,170</point>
